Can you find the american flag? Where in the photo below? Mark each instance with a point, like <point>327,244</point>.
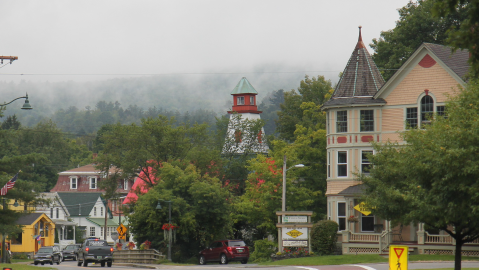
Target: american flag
<point>9,185</point>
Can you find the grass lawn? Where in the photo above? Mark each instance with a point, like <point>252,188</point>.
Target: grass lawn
<point>362,258</point>
<point>23,267</point>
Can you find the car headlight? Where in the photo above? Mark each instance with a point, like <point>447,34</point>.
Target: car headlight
<point>35,256</point>
<point>49,256</point>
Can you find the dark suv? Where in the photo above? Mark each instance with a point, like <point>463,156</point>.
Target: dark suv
<point>224,251</point>
<point>71,252</point>
<point>47,255</point>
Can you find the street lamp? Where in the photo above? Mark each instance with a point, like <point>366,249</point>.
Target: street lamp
<point>283,208</point>
<point>26,105</point>
<point>158,207</point>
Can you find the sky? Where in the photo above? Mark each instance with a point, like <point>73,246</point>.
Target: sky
<point>85,40</point>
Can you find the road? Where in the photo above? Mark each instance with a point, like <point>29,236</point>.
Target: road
<point>69,265</point>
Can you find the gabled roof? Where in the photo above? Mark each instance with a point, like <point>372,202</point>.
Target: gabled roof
<point>86,170</point>
<point>361,77</point>
<point>244,87</point>
<point>29,218</point>
<point>454,63</point>
<point>79,204</point>
<point>55,199</point>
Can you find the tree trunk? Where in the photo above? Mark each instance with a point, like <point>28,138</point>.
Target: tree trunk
<point>457,256</point>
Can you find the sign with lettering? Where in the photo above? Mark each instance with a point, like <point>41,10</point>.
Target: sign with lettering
<point>398,257</point>
<point>295,243</point>
<point>295,233</point>
<point>363,209</point>
<point>295,219</point>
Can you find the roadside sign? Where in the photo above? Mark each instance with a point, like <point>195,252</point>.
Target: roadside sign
<point>398,257</point>
<point>121,231</point>
<point>114,236</point>
<point>362,207</point>
<point>295,219</point>
<point>294,233</point>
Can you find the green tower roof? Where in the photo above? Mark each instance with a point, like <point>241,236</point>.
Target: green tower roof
<point>244,87</point>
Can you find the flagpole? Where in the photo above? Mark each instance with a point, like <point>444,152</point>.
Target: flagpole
<point>3,239</point>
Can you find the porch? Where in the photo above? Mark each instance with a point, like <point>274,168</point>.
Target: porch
<point>422,243</point>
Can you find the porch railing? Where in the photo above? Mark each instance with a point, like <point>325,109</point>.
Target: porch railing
<point>364,237</point>
<point>438,239</point>
<point>384,241</point>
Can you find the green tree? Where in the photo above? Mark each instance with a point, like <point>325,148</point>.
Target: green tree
<point>11,122</point>
<point>433,178</point>
<point>313,90</point>
<point>416,25</point>
<point>465,36</point>
<point>200,207</point>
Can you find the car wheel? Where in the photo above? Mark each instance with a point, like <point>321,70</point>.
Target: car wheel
<point>102,264</point>
<point>75,258</point>
<point>202,260</point>
<point>85,263</point>
<point>35,263</point>
<point>79,263</point>
<point>109,264</point>
<point>51,262</point>
<point>244,261</point>
<point>223,259</point>
<point>42,263</point>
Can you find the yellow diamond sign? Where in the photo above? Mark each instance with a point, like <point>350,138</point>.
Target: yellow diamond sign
<point>363,209</point>
<point>294,233</point>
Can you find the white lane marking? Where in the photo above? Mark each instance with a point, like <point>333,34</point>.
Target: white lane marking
<point>306,268</point>
<point>364,266</point>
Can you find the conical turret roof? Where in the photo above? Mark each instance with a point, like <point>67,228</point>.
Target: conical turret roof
<point>361,76</point>
<point>244,87</point>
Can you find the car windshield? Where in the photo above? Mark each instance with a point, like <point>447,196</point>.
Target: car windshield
<point>236,244</point>
<point>97,243</point>
<point>45,250</point>
<point>71,247</point>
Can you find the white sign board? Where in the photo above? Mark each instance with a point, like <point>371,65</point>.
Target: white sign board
<point>289,233</point>
<point>295,219</point>
<point>295,243</point>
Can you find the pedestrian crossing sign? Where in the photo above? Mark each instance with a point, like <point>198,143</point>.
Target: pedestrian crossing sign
<point>398,257</point>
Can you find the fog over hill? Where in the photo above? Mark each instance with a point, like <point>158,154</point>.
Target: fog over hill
<point>177,92</point>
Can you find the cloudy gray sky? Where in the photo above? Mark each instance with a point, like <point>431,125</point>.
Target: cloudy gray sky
<point>102,39</point>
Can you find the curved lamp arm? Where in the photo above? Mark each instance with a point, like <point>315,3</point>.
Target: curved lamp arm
<point>26,105</point>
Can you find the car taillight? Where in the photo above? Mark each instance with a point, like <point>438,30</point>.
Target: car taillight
<point>229,249</point>
<point>247,249</point>
<point>111,249</point>
<point>87,249</point>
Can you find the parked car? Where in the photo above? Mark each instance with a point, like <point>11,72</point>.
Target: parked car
<point>57,248</point>
<point>71,252</point>
<point>47,255</point>
<point>97,251</point>
<point>225,251</point>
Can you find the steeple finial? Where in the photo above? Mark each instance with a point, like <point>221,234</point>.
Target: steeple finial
<point>360,40</point>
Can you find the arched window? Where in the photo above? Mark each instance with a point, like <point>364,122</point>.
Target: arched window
<point>427,109</point>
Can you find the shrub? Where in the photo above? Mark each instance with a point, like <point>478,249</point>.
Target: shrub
<point>324,236</point>
<point>20,256</point>
<point>263,250</point>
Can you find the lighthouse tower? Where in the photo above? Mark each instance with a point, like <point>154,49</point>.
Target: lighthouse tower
<point>245,134</point>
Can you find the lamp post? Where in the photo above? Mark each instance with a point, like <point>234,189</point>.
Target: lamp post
<point>5,258</point>
<point>26,105</point>
<point>158,207</point>
<point>283,208</point>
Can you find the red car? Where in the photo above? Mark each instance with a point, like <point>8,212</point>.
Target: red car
<point>225,251</point>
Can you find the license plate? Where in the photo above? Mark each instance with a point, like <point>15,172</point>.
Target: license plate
<point>98,257</point>
<point>240,250</point>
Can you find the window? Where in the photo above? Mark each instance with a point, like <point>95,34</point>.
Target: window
<point>93,183</point>
<point>239,100</point>
<point>441,110</point>
<point>125,184</point>
<point>251,100</point>
<point>342,164</point>
<point>367,223</point>
<point>51,213</point>
<point>58,213</point>
<point>342,216</point>
<point>94,211</point>
<point>101,231</point>
<point>73,183</point>
<point>367,120</point>
<point>329,211</point>
<point>427,109</point>
<point>342,121</point>
<point>329,164</point>
<point>327,123</point>
<point>92,231</point>
<point>237,136</point>
<point>365,164</point>
<point>411,117</point>
<point>101,211</point>
<point>260,136</point>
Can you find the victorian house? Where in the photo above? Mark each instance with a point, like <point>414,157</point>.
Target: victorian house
<point>363,109</point>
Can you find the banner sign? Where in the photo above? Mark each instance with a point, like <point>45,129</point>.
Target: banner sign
<point>295,243</point>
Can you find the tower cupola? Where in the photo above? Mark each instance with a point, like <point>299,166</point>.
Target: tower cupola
<point>244,98</point>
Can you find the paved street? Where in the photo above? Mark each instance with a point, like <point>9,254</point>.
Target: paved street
<point>68,265</point>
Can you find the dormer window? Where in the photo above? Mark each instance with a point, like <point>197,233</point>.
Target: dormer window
<point>239,100</point>
<point>93,183</point>
<point>251,100</point>
<point>427,109</point>
<point>73,183</point>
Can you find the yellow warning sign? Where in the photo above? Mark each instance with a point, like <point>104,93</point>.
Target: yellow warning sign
<point>294,233</point>
<point>363,209</point>
<point>121,231</point>
<point>398,257</point>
